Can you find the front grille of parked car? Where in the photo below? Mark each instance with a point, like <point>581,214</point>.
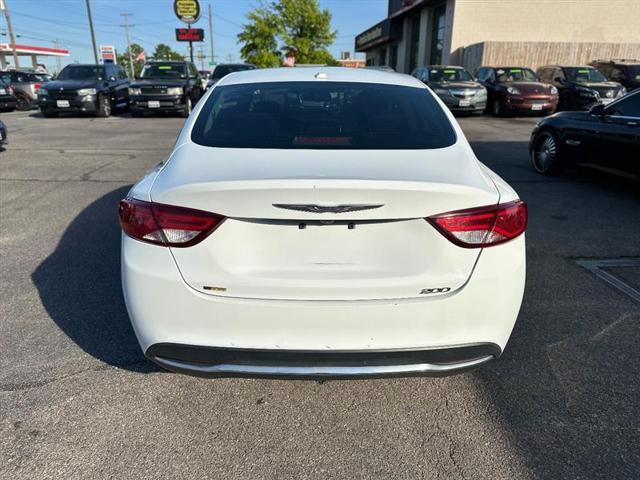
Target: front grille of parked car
<point>154,90</point>
<point>605,92</point>
<point>463,93</point>
<point>64,94</point>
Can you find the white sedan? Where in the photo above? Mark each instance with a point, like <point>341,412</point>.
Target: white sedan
<point>322,221</point>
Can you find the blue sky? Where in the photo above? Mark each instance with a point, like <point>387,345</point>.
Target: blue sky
<point>41,22</point>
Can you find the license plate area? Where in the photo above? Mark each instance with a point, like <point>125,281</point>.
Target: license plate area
<point>62,103</point>
<point>536,106</point>
<point>465,103</point>
<point>153,103</point>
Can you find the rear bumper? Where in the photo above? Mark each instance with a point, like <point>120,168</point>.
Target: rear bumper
<point>165,310</point>
<point>214,362</point>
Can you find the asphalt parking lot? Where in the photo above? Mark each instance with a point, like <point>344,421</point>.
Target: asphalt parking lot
<point>78,399</point>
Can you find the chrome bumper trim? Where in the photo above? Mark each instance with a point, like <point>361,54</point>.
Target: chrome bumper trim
<point>222,369</point>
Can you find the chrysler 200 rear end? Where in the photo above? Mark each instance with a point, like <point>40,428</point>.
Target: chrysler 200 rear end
<point>322,222</point>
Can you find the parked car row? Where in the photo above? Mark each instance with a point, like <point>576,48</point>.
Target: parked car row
<point>513,89</point>
<point>24,86</point>
<point>162,86</point>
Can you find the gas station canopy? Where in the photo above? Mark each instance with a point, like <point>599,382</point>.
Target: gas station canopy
<point>32,51</point>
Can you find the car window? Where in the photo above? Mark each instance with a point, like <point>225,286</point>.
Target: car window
<point>628,106</point>
<point>81,72</point>
<point>329,115</point>
<point>516,75</point>
<point>448,75</point>
<point>164,70</point>
<point>584,74</point>
<point>224,70</point>
<point>122,75</point>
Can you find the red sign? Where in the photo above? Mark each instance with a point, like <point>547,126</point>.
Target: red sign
<point>189,34</point>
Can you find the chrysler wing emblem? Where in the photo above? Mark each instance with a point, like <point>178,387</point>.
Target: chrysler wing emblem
<point>326,208</point>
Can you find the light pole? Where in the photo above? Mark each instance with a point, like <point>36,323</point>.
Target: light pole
<point>5,9</point>
<point>93,34</point>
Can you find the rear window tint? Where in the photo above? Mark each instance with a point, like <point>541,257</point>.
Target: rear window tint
<point>315,115</point>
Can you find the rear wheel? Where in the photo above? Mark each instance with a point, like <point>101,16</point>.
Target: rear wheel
<point>544,154</point>
<point>104,106</point>
<point>22,103</point>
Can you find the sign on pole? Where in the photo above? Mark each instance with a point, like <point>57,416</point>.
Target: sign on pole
<point>187,11</point>
<point>189,34</point>
<point>108,53</point>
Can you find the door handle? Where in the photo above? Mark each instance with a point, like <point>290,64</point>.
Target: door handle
<point>632,124</point>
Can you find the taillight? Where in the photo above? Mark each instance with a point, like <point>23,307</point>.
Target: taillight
<point>483,226</point>
<point>37,86</point>
<point>166,225</point>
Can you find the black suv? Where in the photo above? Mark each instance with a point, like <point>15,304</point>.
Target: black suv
<point>96,89</point>
<point>627,72</point>
<point>580,87</point>
<point>166,87</point>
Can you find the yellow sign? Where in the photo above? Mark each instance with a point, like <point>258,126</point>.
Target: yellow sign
<point>188,11</point>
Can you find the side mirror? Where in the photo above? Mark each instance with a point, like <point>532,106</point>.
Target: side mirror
<point>597,110</point>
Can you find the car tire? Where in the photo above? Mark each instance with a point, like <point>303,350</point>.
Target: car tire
<point>22,103</point>
<point>47,112</point>
<point>104,106</point>
<point>187,108</point>
<point>545,153</point>
<point>496,108</point>
<point>565,103</point>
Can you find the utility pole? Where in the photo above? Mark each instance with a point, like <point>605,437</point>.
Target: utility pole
<point>201,56</point>
<point>5,8</point>
<point>211,33</point>
<point>126,29</point>
<point>93,34</point>
<point>56,43</point>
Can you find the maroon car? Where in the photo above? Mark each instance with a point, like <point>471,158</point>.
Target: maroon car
<point>517,90</point>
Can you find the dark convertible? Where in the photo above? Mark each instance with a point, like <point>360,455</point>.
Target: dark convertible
<point>605,137</point>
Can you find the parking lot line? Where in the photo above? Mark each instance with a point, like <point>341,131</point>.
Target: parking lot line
<point>597,267</point>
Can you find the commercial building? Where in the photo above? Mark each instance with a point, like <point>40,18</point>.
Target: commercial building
<point>515,32</point>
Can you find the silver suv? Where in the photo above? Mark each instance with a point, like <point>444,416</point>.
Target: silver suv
<point>25,85</point>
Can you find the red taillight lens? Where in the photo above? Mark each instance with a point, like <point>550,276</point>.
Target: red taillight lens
<point>37,86</point>
<point>483,226</point>
<point>165,224</point>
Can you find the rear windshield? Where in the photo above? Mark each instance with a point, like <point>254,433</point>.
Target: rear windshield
<point>224,70</point>
<point>313,115</point>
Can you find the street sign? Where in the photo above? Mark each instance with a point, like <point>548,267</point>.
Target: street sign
<point>189,34</point>
<point>108,53</point>
<point>187,11</point>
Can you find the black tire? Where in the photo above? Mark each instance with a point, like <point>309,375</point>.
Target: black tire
<point>565,103</point>
<point>22,103</point>
<point>546,153</point>
<point>104,106</point>
<point>496,108</point>
<point>187,108</point>
<point>47,112</point>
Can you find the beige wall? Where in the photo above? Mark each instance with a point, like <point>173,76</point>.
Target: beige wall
<point>610,21</point>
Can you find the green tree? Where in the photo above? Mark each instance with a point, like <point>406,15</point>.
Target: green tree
<point>297,27</point>
<point>165,52</point>
<point>305,30</point>
<point>123,59</point>
<point>259,38</point>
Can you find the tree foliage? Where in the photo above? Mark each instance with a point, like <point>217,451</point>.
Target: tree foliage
<point>123,59</point>
<point>297,27</point>
<point>165,52</point>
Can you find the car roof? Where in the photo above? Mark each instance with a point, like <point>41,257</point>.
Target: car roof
<point>235,64</point>
<point>319,74</point>
<point>445,66</point>
<point>166,61</point>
